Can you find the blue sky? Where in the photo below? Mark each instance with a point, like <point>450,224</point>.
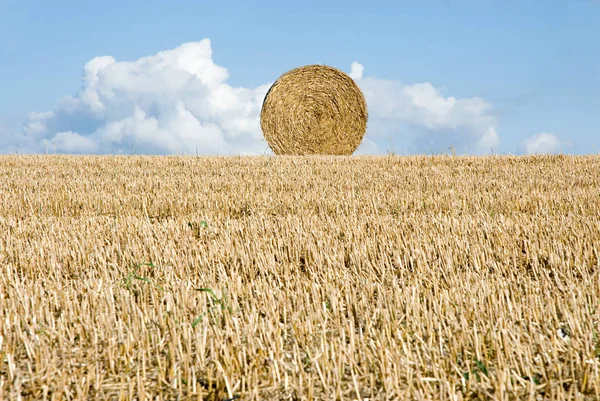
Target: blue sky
<point>524,75</point>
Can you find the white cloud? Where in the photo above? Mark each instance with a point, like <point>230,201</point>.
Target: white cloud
<point>179,102</point>
<point>356,70</point>
<point>432,120</point>
<point>173,102</point>
<point>367,147</point>
<point>71,142</point>
<point>542,143</point>
<point>36,124</point>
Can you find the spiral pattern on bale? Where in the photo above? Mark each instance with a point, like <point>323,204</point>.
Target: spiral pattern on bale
<point>314,110</point>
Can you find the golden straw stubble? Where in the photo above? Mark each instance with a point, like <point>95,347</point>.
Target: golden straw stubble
<point>312,110</point>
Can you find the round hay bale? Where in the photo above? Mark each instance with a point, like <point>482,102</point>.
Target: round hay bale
<point>315,109</point>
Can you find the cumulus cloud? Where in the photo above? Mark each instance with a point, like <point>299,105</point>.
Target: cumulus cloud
<point>36,125</point>
<point>173,102</point>
<point>356,70</point>
<point>178,101</point>
<point>368,147</point>
<point>430,120</point>
<point>72,142</point>
<point>542,143</point>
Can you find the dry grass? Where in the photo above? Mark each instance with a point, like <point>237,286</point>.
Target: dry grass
<point>314,110</point>
<point>392,277</point>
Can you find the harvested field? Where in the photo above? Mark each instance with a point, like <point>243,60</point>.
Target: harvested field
<point>331,277</point>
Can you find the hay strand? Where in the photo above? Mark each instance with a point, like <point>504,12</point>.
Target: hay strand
<point>314,109</point>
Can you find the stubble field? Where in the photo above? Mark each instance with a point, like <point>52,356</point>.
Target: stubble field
<point>301,278</point>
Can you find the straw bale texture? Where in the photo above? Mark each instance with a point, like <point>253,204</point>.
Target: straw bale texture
<point>314,109</point>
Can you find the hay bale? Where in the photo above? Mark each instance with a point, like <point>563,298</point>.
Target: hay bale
<point>315,109</point>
